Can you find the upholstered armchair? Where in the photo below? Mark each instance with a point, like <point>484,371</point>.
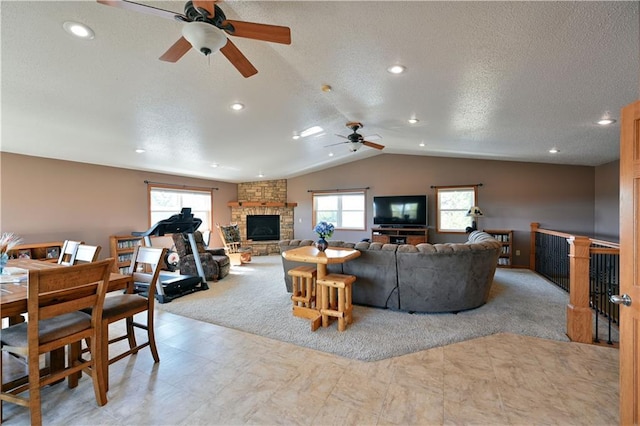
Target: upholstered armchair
<point>233,245</point>
<point>215,262</point>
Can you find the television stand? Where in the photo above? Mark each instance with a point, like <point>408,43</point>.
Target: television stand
<point>411,236</point>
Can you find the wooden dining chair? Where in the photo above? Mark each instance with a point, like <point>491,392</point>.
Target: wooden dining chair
<point>54,299</point>
<point>87,254</point>
<point>139,297</point>
<point>68,252</point>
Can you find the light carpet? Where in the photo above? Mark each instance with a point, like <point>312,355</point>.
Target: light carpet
<point>253,298</point>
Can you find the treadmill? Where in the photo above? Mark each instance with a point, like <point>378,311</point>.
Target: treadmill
<point>170,287</point>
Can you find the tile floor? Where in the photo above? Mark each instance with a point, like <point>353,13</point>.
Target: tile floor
<point>210,375</point>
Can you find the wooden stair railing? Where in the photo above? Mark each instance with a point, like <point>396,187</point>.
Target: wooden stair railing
<point>581,250</point>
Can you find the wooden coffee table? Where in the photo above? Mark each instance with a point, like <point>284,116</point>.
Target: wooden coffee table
<point>310,254</point>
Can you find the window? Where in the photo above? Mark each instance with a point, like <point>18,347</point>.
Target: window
<point>453,204</point>
<point>165,202</point>
<point>345,210</point>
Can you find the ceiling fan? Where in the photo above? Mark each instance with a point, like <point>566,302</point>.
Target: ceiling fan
<point>206,28</point>
<point>356,140</point>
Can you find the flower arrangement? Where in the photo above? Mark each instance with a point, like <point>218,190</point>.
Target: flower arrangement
<point>324,229</point>
<point>8,240</point>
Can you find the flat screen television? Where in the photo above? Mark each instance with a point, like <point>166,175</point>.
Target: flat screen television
<point>400,210</point>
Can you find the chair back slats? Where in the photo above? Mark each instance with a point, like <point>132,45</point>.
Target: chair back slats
<point>145,267</point>
<point>148,256</point>
<point>87,253</point>
<point>60,308</point>
<point>57,291</point>
<point>68,252</point>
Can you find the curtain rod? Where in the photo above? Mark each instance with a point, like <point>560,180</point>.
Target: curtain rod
<point>337,190</point>
<point>454,186</point>
<point>148,182</point>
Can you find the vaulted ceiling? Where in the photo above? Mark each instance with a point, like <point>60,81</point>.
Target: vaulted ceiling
<point>488,80</point>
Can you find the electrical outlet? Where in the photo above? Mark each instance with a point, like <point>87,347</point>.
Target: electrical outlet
<point>517,252</point>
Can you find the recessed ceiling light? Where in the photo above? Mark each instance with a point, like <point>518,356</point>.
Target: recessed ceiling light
<point>295,136</point>
<point>140,151</point>
<point>311,131</point>
<point>554,151</point>
<point>260,175</point>
<point>396,69</point>
<point>606,121</point>
<point>413,120</point>
<point>422,144</point>
<point>78,30</point>
<point>237,106</point>
<point>214,165</point>
<point>331,154</point>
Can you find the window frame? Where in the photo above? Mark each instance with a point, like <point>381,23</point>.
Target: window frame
<point>181,189</point>
<point>470,188</point>
<point>340,194</point>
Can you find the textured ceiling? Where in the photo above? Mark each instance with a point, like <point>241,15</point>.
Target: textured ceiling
<point>493,80</point>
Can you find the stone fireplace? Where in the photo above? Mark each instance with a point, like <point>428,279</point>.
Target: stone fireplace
<point>264,198</point>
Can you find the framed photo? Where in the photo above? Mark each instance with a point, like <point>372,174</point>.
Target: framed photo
<point>24,254</point>
<point>53,252</point>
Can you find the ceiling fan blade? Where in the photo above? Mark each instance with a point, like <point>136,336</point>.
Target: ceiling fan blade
<point>373,145</point>
<point>176,51</point>
<point>238,60</point>
<point>209,6</point>
<point>343,137</point>
<point>143,8</point>
<point>264,32</point>
<point>334,144</point>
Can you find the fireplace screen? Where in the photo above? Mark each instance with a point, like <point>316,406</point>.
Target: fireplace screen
<point>264,227</point>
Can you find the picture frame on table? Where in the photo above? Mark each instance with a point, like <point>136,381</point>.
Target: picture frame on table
<point>53,252</point>
<point>24,254</point>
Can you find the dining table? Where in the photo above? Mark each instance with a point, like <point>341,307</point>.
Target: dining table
<point>13,285</point>
<point>310,254</point>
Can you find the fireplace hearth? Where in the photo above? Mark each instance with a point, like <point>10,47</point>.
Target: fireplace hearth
<point>263,227</point>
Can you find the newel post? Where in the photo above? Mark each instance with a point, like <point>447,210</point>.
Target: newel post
<point>579,315</point>
<point>532,251</point>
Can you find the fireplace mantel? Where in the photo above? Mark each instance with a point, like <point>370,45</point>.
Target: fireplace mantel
<point>260,204</point>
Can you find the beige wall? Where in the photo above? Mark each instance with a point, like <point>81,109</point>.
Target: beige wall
<point>48,200</point>
<point>513,194</point>
<point>607,201</point>
<point>52,200</point>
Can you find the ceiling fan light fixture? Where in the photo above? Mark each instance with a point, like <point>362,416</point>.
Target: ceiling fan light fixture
<point>204,37</point>
<point>354,146</point>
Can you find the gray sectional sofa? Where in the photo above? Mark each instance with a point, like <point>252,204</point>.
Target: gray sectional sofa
<point>447,277</point>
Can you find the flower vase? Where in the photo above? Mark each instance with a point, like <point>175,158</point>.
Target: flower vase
<point>4,258</point>
<point>322,244</point>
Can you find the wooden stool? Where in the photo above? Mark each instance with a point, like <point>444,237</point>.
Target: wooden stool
<point>328,286</point>
<point>303,285</point>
